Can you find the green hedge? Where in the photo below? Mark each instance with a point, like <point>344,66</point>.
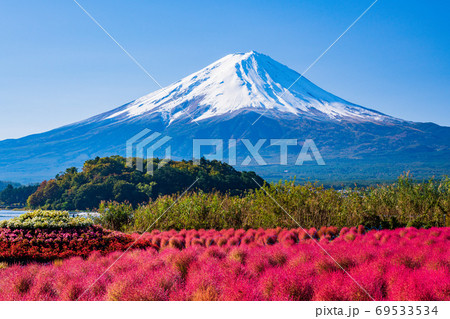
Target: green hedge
<point>45,219</point>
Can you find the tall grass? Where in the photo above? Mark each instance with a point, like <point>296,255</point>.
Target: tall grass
<point>403,203</point>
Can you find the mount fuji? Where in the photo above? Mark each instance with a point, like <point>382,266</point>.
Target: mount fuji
<point>245,82</point>
<point>243,96</point>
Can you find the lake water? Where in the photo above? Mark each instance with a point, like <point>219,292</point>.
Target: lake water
<point>7,214</point>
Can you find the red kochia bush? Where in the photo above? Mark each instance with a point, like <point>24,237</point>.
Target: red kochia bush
<point>241,237</point>
<point>21,245</point>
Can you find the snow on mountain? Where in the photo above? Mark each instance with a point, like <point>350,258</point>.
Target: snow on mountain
<point>245,81</point>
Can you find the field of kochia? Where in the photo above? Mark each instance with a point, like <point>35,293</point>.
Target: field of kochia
<point>229,264</point>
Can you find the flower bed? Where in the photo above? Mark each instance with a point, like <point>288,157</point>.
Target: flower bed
<point>19,245</point>
<point>47,235</point>
<point>25,245</point>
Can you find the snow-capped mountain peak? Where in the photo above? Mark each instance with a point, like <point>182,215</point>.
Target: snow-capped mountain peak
<point>245,82</point>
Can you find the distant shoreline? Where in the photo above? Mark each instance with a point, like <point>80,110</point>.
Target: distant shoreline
<point>13,208</point>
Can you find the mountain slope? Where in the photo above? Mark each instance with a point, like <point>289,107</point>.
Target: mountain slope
<point>222,101</point>
<point>245,81</point>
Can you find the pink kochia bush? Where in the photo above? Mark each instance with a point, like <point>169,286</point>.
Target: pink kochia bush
<point>403,264</point>
<point>241,237</point>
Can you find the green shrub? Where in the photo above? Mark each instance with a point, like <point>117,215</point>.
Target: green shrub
<point>45,219</point>
<point>115,216</point>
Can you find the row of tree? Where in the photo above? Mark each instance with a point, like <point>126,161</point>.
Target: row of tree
<point>16,196</point>
<point>4,184</point>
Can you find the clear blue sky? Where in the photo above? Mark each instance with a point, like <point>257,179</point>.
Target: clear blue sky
<point>58,67</point>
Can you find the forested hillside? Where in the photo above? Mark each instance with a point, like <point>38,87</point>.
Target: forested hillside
<point>109,179</point>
